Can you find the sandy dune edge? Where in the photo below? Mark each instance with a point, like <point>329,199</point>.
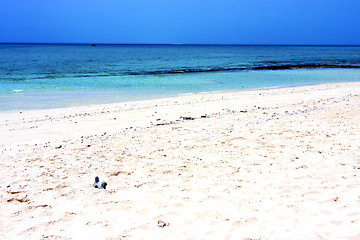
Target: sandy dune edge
<point>270,164</point>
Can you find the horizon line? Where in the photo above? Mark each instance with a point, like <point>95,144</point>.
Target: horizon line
<point>175,44</point>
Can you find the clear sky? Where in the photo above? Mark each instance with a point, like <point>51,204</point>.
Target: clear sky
<point>329,22</point>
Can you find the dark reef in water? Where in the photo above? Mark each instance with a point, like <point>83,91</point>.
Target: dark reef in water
<point>253,68</point>
<point>271,66</point>
<point>302,66</point>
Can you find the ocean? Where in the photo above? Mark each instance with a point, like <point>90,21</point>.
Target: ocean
<point>37,76</point>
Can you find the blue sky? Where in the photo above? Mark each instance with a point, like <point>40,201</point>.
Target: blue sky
<point>329,22</point>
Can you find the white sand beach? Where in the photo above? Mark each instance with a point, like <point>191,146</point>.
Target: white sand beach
<point>264,164</point>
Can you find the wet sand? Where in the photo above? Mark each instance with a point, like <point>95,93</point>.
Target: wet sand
<point>269,164</point>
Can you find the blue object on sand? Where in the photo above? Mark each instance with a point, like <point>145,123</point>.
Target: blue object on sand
<point>99,185</point>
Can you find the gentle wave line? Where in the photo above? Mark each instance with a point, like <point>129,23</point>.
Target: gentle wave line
<point>196,70</point>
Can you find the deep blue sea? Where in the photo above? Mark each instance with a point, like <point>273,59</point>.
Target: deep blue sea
<point>50,76</point>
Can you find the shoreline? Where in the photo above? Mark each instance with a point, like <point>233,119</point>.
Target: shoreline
<point>273,164</point>
<point>75,112</point>
<point>178,95</point>
<point>50,99</point>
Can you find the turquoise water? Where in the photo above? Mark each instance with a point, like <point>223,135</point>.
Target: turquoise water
<point>49,76</point>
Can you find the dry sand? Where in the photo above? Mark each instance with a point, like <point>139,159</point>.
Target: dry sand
<point>269,164</point>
